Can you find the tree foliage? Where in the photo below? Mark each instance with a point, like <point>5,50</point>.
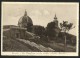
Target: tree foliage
<point>29,27</point>
<point>65,26</point>
<point>50,29</point>
<point>39,30</point>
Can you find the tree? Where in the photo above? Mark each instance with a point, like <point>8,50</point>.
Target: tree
<point>39,30</point>
<point>29,27</point>
<point>65,27</point>
<point>51,30</point>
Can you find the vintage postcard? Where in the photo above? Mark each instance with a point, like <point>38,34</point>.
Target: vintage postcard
<point>39,28</point>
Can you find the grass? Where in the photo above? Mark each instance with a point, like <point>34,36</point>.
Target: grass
<point>12,45</point>
<point>57,46</point>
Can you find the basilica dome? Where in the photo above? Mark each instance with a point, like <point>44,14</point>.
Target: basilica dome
<point>25,21</point>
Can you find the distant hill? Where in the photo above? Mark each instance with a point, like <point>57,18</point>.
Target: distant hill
<point>70,38</point>
<point>67,35</point>
<point>8,26</point>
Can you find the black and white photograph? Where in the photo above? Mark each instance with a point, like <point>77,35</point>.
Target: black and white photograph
<point>39,28</point>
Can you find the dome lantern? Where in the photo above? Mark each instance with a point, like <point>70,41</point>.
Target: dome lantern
<point>55,17</point>
<point>55,20</point>
<point>25,14</point>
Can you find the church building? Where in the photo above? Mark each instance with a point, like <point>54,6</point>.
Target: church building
<point>53,28</point>
<point>24,28</point>
<point>57,29</point>
<point>25,22</point>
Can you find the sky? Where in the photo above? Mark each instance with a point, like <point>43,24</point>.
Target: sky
<point>40,13</point>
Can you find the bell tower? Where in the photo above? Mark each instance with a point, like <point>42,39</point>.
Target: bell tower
<point>55,20</point>
<point>55,17</point>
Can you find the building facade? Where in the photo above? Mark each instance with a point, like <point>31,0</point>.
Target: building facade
<point>25,22</point>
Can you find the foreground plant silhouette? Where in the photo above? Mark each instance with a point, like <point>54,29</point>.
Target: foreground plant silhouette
<point>65,27</point>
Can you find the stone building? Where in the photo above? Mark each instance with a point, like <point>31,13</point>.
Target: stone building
<point>55,21</point>
<point>57,29</point>
<point>25,22</point>
<point>17,32</point>
<point>24,28</point>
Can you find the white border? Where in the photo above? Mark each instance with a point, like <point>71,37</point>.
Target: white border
<point>40,53</point>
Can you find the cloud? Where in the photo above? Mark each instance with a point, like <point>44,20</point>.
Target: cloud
<point>46,12</point>
<point>40,14</point>
<point>9,20</point>
<point>36,13</point>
